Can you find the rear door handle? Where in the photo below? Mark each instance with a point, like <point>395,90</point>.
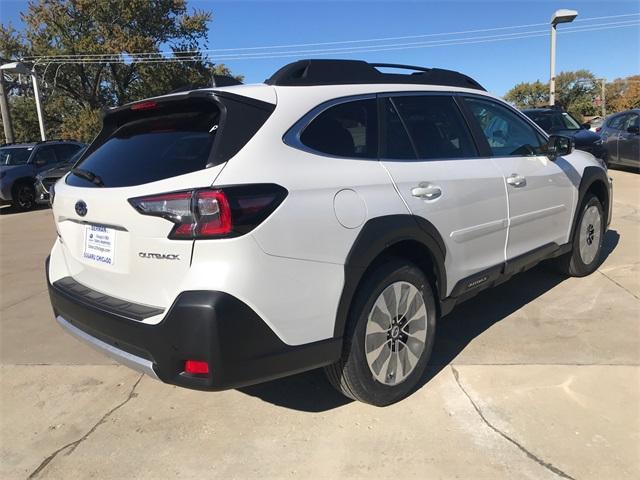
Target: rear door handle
<point>516,180</point>
<point>426,191</point>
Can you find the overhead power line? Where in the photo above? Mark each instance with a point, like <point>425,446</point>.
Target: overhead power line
<point>342,42</point>
<point>350,50</point>
<point>263,50</point>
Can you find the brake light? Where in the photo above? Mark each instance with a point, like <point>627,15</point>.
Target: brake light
<point>598,129</point>
<point>209,213</point>
<point>148,105</point>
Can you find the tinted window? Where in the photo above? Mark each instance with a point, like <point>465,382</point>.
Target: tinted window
<point>151,149</point>
<point>554,121</point>
<point>436,126</point>
<point>64,152</point>
<point>632,121</point>
<point>617,122</point>
<point>45,155</point>
<point>395,140</point>
<point>345,130</point>
<point>14,155</point>
<point>506,133</point>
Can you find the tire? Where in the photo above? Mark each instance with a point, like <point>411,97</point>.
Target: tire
<point>23,196</point>
<point>367,327</point>
<point>586,253</point>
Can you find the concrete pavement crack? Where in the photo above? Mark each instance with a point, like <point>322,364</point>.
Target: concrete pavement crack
<point>533,457</point>
<point>618,284</point>
<point>73,445</point>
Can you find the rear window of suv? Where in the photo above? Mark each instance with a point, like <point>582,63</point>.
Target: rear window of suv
<point>172,139</point>
<point>151,149</point>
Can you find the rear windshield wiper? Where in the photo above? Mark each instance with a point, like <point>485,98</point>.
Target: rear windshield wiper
<point>87,175</point>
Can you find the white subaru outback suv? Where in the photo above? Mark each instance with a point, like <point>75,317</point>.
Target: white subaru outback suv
<point>326,218</point>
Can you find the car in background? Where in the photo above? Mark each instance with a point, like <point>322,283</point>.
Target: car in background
<point>21,162</point>
<point>556,121</point>
<point>595,124</point>
<point>45,180</point>
<point>620,136</point>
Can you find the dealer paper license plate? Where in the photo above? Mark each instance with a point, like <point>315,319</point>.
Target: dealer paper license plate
<point>99,244</point>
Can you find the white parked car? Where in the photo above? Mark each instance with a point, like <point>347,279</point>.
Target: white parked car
<point>326,218</point>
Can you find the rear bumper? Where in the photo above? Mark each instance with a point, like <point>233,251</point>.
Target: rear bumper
<point>209,326</point>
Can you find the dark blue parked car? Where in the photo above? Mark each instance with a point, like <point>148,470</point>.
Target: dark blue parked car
<point>621,138</point>
<point>21,162</point>
<point>554,120</point>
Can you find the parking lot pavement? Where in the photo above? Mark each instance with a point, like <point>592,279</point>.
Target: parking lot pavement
<point>538,378</point>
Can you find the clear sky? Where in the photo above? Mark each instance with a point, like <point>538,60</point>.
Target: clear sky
<point>498,65</point>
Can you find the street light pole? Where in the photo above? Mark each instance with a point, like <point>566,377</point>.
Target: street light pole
<point>552,76</point>
<point>560,16</point>
<point>6,114</point>
<point>36,94</point>
<point>21,68</point>
<point>603,82</point>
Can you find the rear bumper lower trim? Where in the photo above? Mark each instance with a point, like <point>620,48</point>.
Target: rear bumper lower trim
<point>139,364</point>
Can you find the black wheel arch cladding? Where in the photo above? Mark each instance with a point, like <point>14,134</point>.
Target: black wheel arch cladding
<point>379,235</point>
<point>594,180</point>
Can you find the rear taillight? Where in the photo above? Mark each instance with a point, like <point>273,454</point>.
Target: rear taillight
<point>598,129</point>
<point>213,213</point>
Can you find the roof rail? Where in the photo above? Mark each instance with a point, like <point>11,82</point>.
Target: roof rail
<point>343,72</point>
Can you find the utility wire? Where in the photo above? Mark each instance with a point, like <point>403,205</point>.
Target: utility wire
<point>125,59</point>
<point>140,55</point>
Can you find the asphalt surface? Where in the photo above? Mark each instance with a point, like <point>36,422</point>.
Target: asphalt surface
<point>538,378</point>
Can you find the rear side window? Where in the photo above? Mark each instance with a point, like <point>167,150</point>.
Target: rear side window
<point>436,126</point>
<point>506,133</point>
<point>345,130</point>
<point>151,149</point>
<point>396,143</point>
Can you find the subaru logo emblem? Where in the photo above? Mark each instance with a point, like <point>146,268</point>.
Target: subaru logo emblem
<point>81,208</point>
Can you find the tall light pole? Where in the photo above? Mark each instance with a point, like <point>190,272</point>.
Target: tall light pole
<point>560,16</point>
<point>21,68</point>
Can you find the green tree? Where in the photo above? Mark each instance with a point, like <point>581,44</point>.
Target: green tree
<point>576,92</point>
<point>75,92</point>
<point>623,93</point>
<point>528,95</point>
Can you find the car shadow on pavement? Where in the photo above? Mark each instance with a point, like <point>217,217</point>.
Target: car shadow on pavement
<point>311,391</point>
<point>11,210</point>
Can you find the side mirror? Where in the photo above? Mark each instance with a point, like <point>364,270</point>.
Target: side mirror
<point>634,129</point>
<point>585,126</point>
<point>558,146</point>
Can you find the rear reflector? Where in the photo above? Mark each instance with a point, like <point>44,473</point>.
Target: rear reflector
<point>196,367</point>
